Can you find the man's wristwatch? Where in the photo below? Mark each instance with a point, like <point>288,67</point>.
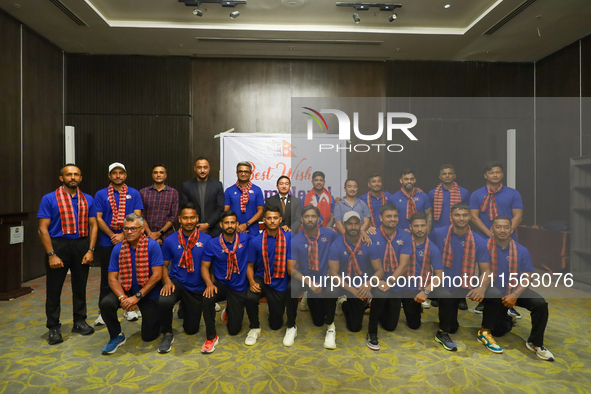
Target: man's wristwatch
<point>91,249</point>
<point>139,295</point>
<point>426,291</point>
<point>161,232</point>
<point>50,253</point>
<point>247,224</point>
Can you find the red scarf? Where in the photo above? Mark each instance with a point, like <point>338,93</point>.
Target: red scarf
<point>118,214</point>
<point>187,257</point>
<point>492,249</point>
<point>411,207</point>
<point>353,266</point>
<point>232,260</point>
<point>455,197</point>
<point>142,266</point>
<point>245,195</point>
<point>490,202</point>
<point>67,216</point>
<point>280,263</point>
<point>313,255</point>
<point>323,204</point>
<point>383,201</point>
<point>426,267</point>
<point>390,259</point>
<point>468,258</point>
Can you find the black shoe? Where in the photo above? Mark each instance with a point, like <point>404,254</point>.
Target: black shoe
<point>83,328</point>
<point>55,336</point>
<point>443,338</point>
<point>166,344</point>
<point>435,303</point>
<point>462,305</point>
<point>372,341</point>
<point>479,308</point>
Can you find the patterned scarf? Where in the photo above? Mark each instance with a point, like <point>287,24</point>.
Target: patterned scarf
<point>187,257</point>
<point>232,260</point>
<point>390,259</point>
<point>426,267</point>
<point>455,197</point>
<point>353,266</point>
<point>142,266</point>
<point>245,195</point>
<point>383,201</point>
<point>118,214</point>
<point>492,249</point>
<point>280,263</point>
<point>313,255</point>
<point>490,203</point>
<point>411,207</point>
<point>67,216</point>
<point>468,258</point>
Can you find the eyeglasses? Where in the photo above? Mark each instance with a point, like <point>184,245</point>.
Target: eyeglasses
<point>243,172</point>
<point>131,229</point>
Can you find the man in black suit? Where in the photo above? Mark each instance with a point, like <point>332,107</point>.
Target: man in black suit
<point>289,206</point>
<point>207,195</point>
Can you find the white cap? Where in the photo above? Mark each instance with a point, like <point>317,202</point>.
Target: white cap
<point>351,214</point>
<point>116,165</point>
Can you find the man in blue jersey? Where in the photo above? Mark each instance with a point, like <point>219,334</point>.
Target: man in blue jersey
<point>246,200</point>
<point>113,203</point>
<point>309,266</point>
<point>181,275</point>
<point>135,273</point>
<point>268,275</point>
<point>375,198</point>
<point>227,256</point>
<point>410,199</point>
<point>445,195</point>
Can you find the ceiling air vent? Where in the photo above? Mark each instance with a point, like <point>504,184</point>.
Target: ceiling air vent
<point>510,16</point>
<point>286,41</point>
<point>68,13</point>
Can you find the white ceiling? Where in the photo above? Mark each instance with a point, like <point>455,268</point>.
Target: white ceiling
<point>424,29</point>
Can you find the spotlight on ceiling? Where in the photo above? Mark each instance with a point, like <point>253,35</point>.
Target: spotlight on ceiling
<point>392,17</point>
<point>447,5</point>
<point>234,14</point>
<point>356,18</point>
<point>197,12</point>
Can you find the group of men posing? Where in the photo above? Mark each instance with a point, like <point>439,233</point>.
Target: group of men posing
<point>218,254</point>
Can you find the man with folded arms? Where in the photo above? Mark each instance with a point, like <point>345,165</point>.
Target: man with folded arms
<point>375,198</point>
<point>246,200</point>
<point>410,199</point>
<point>445,195</point>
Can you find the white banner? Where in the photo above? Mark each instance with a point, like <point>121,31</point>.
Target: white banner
<point>274,155</point>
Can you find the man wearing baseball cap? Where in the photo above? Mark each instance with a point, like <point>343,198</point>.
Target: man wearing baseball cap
<point>113,203</point>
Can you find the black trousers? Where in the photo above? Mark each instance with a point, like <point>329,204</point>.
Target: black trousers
<point>150,319</point>
<point>276,301</point>
<point>105,257</point>
<point>489,314</point>
<point>317,303</point>
<point>354,310</point>
<point>538,308</point>
<point>193,305</point>
<point>234,308</point>
<point>71,252</point>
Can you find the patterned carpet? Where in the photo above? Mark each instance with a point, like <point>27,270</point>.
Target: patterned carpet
<point>409,361</point>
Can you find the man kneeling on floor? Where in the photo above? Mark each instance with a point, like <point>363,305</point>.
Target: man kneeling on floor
<point>135,271</point>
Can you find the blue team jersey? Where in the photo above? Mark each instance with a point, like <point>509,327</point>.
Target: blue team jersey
<point>232,198</point>
<point>507,199</point>
<point>434,260</point>
<point>402,245</point>
<point>154,260</point>
<point>49,209</point>
<point>376,204</point>
<point>299,252</point>
<point>101,199</point>
<point>400,201</point>
<point>338,252</point>
<point>255,255</point>
<point>219,261</point>
<point>524,265</point>
<point>445,208</point>
<point>172,251</point>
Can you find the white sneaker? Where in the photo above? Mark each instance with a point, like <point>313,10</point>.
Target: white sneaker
<point>304,302</point>
<point>290,336</point>
<point>138,312</point>
<point>252,336</point>
<point>426,304</point>
<point>541,351</point>
<point>217,307</point>
<point>130,316</point>
<point>99,321</point>
<point>340,300</point>
<point>330,338</point>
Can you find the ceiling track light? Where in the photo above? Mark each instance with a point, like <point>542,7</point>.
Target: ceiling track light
<point>356,18</point>
<point>367,6</point>
<point>197,12</point>
<point>224,3</point>
<point>392,17</point>
<point>234,14</point>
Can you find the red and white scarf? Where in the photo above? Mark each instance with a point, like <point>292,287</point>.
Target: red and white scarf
<point>280,260</point>
<point>118,214</point>
<point>390,259</point>
<point>232,260</point>
<point>490,202</point>
<point>492,249</point>
<point>383,201</point>
<point>455,197</point>
<point>353,266</point>
<point>313,254</point>
<point>411,207</point>
<point>245,195</point>
<point>322,203</point>
<point>468,258</point>
<point>426,267</point>
<point>187,257</point>
<point>67,216</point>
<point>142,266</point>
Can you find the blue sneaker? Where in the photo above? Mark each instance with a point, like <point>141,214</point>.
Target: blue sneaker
<point>487,340</point>
<point>113,344</point>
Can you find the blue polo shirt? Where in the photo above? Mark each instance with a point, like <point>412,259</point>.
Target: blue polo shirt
<point>299,252</point>
<point>154,260</point>
<point>338,252</point>
<point>402,245</point>
<point>507,199</point>
<point>444,218</point>
<point>376,204</point>
<point>232,198</point>
<point>172,251</point>
<point>255,255</point>
<point>524,265</point>
<point>435,260</point>
<point>343,207</point>
<point>438,235</point>
<point>49,209</point>
<point>400,200</point>
<point>219,261</point>
<point>101,198</point>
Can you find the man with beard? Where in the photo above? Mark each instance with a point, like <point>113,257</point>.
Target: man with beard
<point>446,195</point>
<point>410,199</point>
<point>68,230</point>
<point>113,203</point>
<point>375,198</point>
<point>309,265</point>
<point>181,275</point>
<point>246,199</point>
<point>321,199</point>
<point>290,206</point>
<point>227,255</point>
<point>161,204</point>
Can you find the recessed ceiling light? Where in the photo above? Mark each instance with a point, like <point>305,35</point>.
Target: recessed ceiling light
<point>447,5</point>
